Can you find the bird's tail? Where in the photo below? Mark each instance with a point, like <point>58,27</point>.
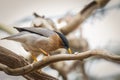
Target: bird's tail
<point>9,37</point>
<point>15,37</point>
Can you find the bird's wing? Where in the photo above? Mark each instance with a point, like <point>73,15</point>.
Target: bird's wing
<point>40,31</point>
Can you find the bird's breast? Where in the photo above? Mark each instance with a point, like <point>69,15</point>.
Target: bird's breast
<point>49,44</point>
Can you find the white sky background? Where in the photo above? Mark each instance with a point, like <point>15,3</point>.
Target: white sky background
<point>12,10</point>
<point>103,31</point>
<point>98,32</point>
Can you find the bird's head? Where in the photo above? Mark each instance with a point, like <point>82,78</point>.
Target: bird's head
<point>64,42</point>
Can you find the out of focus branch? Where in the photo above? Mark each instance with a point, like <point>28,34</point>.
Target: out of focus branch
<point>84,75</point>
<point>8,29</point>
<point>83,15</point>
<point>55,58</point>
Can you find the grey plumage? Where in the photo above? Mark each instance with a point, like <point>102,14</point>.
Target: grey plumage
<point>35,39</point>
<point>40,31</point>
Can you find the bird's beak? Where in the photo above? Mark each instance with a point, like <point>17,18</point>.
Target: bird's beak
<point>69,51</point>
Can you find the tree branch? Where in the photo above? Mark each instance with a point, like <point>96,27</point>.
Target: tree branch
<point>10,61</point>
<point>83,15</point>
<point>84,75</point>
<point>60,57</point>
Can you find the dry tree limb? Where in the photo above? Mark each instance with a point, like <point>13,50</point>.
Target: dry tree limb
<point>55,58</point>
<point>83,15</point>
<point>8,29</point>
<point>62,68</point>
<point>84,75</point>
<point>13,61</point>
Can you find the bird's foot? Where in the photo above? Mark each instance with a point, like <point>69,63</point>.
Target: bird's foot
<point>34,58</point>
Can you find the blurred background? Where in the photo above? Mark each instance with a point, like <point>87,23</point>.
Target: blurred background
<point>101,30</point>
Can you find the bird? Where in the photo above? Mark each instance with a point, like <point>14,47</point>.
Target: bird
<point>40,40</point>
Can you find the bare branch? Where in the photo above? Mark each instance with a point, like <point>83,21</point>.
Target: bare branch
<point>83,15</point>
<point>8,29</point>
<point>84,75</point>
<point>60,57</point>
<point>10,60</point>
<point>59,66</point>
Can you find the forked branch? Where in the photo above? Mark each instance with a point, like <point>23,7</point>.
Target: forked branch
<point>60,57</point>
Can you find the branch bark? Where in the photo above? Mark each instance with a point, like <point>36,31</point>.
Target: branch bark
<point>83,15</point>
<point>84,75</point>
<point>10,61</point>
<point>26,69</point>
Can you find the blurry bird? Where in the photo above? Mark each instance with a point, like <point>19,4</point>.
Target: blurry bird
<point>40,40</point>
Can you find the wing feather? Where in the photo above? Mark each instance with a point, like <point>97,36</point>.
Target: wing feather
<point>40,31</point>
